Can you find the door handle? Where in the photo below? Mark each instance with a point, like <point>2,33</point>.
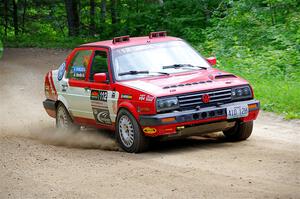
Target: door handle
<point>64,87</point>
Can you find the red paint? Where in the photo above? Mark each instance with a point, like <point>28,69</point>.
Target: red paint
<point>100,77</point>
<point>164,129</point>
<point>53,86</point>
<point>50,90</point>
<point>171,128</point>
<point>182,78</point>
<point>92,122</point>
<point>212,60</point>
<point>133,41</point>
<point>252,116</point>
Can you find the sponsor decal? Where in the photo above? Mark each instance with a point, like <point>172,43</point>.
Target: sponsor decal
<point>61,71</point>
<point>102,116</point>
<point>78,71</point>
<point>99,95</point>
<point>103,96</point>
<point>142,97</point>
<point>126,96</point>
<point>149,130</point>
<point>149,98</point>
<point>113,95</point>
<point>94,95</point>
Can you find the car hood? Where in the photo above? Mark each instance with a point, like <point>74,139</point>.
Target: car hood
<point>200,80</point>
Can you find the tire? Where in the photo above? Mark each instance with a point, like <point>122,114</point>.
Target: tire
<point>63,119</point>
<point>129,134</point>
<point>241,131</point>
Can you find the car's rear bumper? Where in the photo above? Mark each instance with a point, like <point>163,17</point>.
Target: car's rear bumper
<point>50,107</point>
<point>172,123</point>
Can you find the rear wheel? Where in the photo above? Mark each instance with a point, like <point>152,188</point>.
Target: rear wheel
<point>64,120</point>
<point>241,131</point>
<point>129,134</point>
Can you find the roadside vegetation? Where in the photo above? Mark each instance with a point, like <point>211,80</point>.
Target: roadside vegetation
<point>256,39</point>
<point>1,49</point>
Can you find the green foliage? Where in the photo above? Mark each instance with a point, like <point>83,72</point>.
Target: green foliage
<point>1,49</point>
<point>253,43</point>
<point>256,39</point>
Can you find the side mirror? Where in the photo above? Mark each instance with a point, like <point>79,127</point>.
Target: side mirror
<point>100,78</point>
<point>212,60</point>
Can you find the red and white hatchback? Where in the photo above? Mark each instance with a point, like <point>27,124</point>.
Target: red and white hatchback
<point>143,87</point>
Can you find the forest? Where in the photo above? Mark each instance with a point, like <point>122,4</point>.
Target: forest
<point>256,39</point>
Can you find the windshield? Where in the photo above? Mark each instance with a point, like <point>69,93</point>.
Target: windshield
<point>156,59</point>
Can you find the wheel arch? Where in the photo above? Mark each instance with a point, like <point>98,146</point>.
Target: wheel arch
<point>129,107</point>
<point>64,102</point>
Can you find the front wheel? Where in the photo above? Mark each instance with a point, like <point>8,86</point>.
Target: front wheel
<point>241,131</point>
<point>129,134</point>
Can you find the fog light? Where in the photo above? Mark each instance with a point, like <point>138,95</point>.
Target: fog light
<point>168,119</point>
<point>252,106</point>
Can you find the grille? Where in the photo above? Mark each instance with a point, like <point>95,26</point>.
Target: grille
<point>192,100</point>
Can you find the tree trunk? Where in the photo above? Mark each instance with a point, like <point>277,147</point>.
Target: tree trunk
<point>15,17</point>
<point>5,13</point>
<point>92,17</point>
<point>114,15</point>
<point>24,14</point>
<point>103,16</point>
<point>72,17</point>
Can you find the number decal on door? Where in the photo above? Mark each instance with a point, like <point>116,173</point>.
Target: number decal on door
<point>100,106</point>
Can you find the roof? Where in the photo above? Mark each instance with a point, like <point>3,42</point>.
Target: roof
<point>132,42</point>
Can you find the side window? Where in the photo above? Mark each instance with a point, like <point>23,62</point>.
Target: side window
<point>79,64</point>
<point>99,64</point>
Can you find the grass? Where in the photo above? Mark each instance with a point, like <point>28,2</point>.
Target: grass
<point>279,96</point>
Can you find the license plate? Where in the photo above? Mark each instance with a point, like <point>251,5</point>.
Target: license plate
<point>237,111</point>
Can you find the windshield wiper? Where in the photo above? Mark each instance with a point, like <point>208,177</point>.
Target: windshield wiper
<point>135,72</point>
<point>183,65</point>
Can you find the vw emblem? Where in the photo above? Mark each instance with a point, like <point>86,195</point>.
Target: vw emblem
<point>205,98</point>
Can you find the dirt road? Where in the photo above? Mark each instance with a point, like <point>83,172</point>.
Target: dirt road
<point>38,162</point>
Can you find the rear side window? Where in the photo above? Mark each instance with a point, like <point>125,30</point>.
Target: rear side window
<point>79,64</point>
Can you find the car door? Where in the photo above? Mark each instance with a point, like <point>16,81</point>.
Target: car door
<point>75,87</point>
<point>103,98</point>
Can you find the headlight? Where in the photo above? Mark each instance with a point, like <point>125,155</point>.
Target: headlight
<point>241,92</point>
<point>165,104</point>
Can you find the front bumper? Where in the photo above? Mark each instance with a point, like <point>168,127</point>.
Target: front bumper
<point>168,123</point>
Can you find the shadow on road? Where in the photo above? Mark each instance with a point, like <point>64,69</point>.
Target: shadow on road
<point>211,140</point>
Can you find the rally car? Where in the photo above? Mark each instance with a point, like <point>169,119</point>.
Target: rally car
<point>145,87</point>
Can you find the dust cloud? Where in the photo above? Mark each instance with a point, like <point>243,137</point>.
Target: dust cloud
<point>83,138</point>
<point>21,96</point>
